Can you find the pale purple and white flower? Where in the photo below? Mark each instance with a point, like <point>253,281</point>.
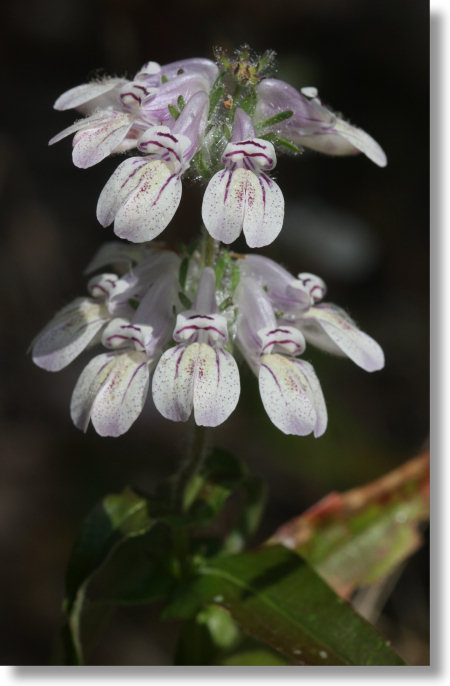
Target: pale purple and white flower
<point>242,196</point>
<point>77,325</point>
<point>143,194</point>
<point>289,388</point>
<point>112,389</point>
<point>325,325</point>
<point>198,374</point>
<point>312,125</point>
<point>120,111</point>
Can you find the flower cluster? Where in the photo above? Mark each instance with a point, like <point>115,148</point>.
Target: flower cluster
<point>192,118</point>
<point>179,318</point>
<point>162,316</point>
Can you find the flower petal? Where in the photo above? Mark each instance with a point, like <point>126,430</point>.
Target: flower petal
<point>111,392</point>
<point>113,252</point>
<point>80,95</point>
<point>155,109</point>
<point>150,207</point>
<point>357,345</point>
<point>243,128</point>
<point>318,400</point>
<point>287,396</point>
<point>173,384</point>
<point>124,180</point>
<point>224,204</point>
<point>242,199</point>
<point>92,145</point>
<point>217,386</point>
<point>69,332</point>
<point>196,376</point>
<point>142,196</point>
<point>361,140</point>
<point>194,64</point>
<point>264,210</point>
<point>345,139</point>
<point>283,289</point>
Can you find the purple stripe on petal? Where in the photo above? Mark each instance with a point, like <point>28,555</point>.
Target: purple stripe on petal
<point>272,374</point>
<point>131,381</point>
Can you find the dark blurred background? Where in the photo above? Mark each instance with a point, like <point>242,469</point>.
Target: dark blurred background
<point>363,229</point>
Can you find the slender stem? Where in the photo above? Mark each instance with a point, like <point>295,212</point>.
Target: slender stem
<point>209,248</point>
<point>185,487</point>
<point>189,468</point>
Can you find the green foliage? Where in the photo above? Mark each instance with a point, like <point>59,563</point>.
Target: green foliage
<point>174,111</point>
<point>248,104</point>
<point>266,606</point>
<point>276,119</point>
<point>185,301</point>
<point>114,521</point>
<point>274,595</point>
<point>281,142</point>
<point>182,274</point>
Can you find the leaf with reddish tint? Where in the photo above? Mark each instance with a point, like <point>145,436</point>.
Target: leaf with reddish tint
<point>359,537</point>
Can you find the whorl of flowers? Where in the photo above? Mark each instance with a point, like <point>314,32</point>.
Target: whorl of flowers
<point>178,319</point>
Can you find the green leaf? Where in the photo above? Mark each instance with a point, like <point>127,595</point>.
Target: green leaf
<point>220,266</point>
<point>220,475</point>
<point>275,596</point>
<point>173,111</point>
<point>281,142</point>
<point>138,571</point>
<point>200,165</point>
<point>216,95</point>
<point>358,538</point>
<point>235,277</point>
<point>276,119</point>
<point>185,301</point>
<point>182,274</point>
<point>181,103</point>
<point>203,639</point>
<point>249,103</point>
<point>255,497</point>
<point>115,520</point>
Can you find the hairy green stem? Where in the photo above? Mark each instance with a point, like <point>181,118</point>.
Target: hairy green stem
<point>209,249</point>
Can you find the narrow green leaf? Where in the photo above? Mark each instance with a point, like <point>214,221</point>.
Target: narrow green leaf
<point>219,268</point>
<point>249,103</point>
<point>275,596</point>
<point>182,274</point>
<point>276,119</point>
<point>181,103</point>
<point>200,164</point>
<point>281,142</point>
<point>185,301</point>
<point>227,302</point>
<point>216,95</point>
<point>173,111</point>
<point>235,277</point>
